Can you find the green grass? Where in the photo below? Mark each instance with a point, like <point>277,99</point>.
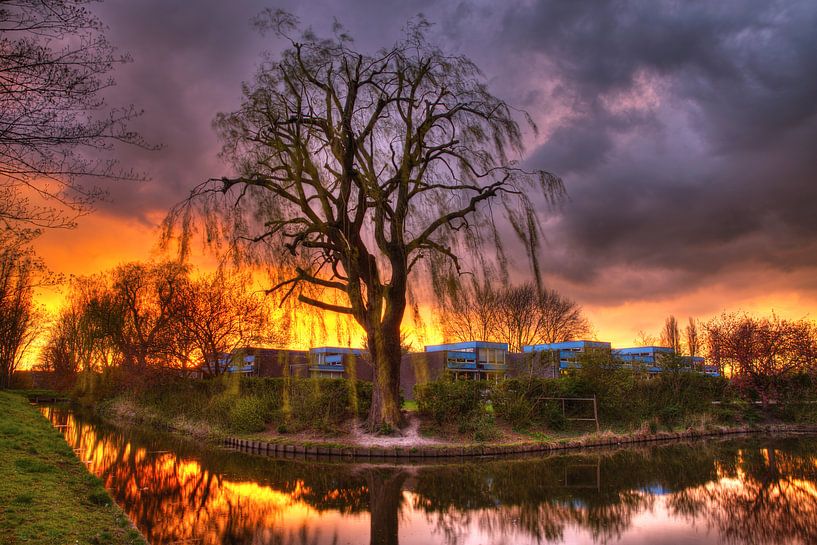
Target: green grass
<point>410,405</point>
<point>46,495</point>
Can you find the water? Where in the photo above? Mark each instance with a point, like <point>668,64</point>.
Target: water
<point>731,492</point>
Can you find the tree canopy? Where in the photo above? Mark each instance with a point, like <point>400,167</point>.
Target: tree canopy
<point>354,171</point>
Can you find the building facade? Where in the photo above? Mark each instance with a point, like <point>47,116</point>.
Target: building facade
<point>566,355</point>
<point>339,362</point>
<point>655,358</point>
<point>474,360</point>
<point>471,360</point>
<point>268,362</point>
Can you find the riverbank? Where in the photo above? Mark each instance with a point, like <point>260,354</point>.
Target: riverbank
<point>352,443</point>
<point>323,417</point>
<point>46,494</point>
<point>382,450</point>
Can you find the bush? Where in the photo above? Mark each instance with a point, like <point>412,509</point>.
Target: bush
<point>233,402</point>
<point>247,415</point>
<point>270,390</point>
<point>319,403</point>
<point>450,401</point>
<point>481,428</point>
<point>625,397</point>
<point>297,403</point>
<point>521,403</point>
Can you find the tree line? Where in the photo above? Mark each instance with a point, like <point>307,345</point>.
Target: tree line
<point>517,315</point>
<point>159,316</point>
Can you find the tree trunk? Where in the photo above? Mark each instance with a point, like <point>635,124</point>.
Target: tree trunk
<point>384,351</point>
<point>385,497</point>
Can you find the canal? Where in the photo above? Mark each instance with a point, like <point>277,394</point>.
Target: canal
<point>752,492</point>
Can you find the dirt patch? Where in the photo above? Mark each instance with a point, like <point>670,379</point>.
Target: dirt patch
<point>409,436</point>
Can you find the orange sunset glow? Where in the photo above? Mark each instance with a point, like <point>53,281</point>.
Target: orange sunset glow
<point>102,241</point>
<point>688,177</point>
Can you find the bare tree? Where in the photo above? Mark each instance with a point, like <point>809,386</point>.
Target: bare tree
<point>65,353</point>
<point>218,313</point>
<point>362,167</point>
<point>141,311</point>
<point>79,338</point>
<point>643,338</point>
<point>561,319</point>
<point>528,316</point>
<point>759,351</point>
<point>693,338</point>
<point>469,311</point>
<point>517,315</point>
<point>18,315</point>
<point>54,66</point>
<point>153,315</point>
<point>671,334</point>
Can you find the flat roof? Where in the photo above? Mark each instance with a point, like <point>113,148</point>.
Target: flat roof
<point>653,348</point>
<point>467,345</point>
<point>336,350</point>
<point>564,344</point>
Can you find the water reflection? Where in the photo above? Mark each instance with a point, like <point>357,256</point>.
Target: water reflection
<point>736,492</point>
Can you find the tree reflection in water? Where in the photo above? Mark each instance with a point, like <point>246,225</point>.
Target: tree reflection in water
<point>175,491</point>
<point>765,496</point>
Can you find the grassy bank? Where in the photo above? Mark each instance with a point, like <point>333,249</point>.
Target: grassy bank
<point>46,494</point>
<point>227,405</point>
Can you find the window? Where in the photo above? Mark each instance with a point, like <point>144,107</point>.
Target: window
<point>492,356</point>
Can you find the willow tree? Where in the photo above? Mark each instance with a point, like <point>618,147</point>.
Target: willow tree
<point>357,173</point>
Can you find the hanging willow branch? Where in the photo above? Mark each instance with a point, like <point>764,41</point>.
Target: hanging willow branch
<point>354,171</point>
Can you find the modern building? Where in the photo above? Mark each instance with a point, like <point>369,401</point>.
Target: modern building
<point>655,358</point>
<point>474,360</point>
<point>567,354</point>
<point>339,362</point>
<point>651,357</point>
<point>471,360</point>
<point>268,362</point>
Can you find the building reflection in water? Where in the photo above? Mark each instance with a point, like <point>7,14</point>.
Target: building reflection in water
<point>735,492</point>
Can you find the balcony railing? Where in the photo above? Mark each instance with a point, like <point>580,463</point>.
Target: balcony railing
<point>330,367</point>
<point>462,365</point>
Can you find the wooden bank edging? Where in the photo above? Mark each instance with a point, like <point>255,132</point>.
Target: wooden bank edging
<point>419,453</point>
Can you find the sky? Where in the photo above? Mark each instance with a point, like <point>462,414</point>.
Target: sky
<point>685,133</point>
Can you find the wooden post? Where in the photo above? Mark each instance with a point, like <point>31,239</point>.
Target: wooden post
<point>596,413</point>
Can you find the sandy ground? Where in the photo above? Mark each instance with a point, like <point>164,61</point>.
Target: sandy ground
<point>409,436</point>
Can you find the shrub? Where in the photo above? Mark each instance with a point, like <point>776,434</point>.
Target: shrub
<point>247,415</point>
<point>324,403</point>
<point>218,409</point>
<point>270,390</point>
<point>481,428</point>
<point>450,401</point>
<point>522,403</point>
<point>554,418</point>
<point>235,402</point>
<point>625,397</point>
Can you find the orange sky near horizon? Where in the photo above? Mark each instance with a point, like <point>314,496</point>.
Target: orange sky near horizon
<point>102,241</point>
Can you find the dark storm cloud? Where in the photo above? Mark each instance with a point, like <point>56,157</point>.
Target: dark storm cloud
<point>720,175</point>
<point>189,60</point>
<point>685,130</point>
